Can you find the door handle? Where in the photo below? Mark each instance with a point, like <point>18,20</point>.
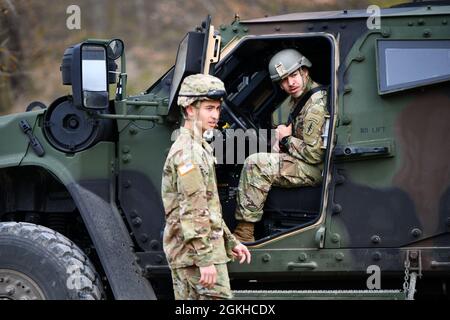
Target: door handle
<point>304,265</point>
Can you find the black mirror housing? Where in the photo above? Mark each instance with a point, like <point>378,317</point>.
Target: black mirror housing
<point>86,67</point>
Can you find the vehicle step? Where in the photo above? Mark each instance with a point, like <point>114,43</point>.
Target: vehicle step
<point>319,294</point>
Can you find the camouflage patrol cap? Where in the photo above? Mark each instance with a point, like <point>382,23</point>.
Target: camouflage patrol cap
<point>198,87</point>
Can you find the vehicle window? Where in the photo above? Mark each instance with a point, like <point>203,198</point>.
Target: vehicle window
<point>407,64</point>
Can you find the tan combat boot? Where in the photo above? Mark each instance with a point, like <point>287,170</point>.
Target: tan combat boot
<point>244,231</point>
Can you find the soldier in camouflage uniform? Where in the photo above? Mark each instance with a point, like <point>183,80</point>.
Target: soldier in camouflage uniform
<point>301,163</point>
<point>197,242</point>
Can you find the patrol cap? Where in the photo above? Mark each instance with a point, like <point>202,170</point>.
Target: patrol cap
<point>199,87</point>
<point>286,62</point>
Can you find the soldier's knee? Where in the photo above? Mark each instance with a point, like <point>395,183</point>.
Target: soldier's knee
<point>259,159</point>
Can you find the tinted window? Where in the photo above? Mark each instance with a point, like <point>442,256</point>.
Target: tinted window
<point>407,64</point>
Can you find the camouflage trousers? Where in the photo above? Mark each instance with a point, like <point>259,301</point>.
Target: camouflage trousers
<point>261,171</point>
<point>186,284</point>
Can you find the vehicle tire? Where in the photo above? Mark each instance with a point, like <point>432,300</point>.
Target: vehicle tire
<point>39,263</point>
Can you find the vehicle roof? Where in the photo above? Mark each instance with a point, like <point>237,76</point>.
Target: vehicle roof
<point>425,9</point>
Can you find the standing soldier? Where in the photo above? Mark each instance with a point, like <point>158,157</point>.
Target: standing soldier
<point>301,161</point>
<point>197,242</point>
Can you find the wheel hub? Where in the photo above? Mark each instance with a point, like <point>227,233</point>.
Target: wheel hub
<point>15,285</point>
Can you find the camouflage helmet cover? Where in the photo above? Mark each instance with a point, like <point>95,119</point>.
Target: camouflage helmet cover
<point>286,62</point>
<point>197,87</point>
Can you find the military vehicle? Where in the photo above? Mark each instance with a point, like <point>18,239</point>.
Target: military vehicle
<point>80,206</point>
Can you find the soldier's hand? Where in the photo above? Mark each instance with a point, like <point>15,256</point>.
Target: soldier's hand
<point>241,252</point>
<point>283,131</point>
<point>208,276</point>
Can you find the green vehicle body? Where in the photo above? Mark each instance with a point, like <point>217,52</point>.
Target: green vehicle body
<point>385,198</point>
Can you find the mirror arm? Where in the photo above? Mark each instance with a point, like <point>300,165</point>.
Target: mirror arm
<point>122,85</point>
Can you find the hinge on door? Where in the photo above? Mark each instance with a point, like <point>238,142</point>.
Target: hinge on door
<point>320,237</point>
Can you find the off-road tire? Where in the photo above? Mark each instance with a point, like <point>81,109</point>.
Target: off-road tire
<point>54,264</point>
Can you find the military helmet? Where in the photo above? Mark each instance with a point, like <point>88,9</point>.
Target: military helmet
<point>286,62</point>
<point>198,87</point>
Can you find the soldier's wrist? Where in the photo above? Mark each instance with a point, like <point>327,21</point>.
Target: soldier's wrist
<point>284,143</point>
<point>204,260</point>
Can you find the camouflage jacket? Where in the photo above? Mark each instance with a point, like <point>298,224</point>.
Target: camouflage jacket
<point>306,141</point>
<point>195,233</point>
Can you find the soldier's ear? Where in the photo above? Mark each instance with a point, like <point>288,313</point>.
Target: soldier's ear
<point>304,71</point>
<point>190,112</point>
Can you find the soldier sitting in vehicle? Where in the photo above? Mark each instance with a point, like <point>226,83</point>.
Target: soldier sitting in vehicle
<point>300,161</point>
<point>197,242</point>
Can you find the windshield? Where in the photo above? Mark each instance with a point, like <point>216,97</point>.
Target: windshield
<point>180,68</point>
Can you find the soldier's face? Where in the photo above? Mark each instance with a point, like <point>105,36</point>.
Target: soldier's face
<point>294,83</point>
<point>207,114</point>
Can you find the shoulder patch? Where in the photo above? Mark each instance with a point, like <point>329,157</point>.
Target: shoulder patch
<point>185,168</point>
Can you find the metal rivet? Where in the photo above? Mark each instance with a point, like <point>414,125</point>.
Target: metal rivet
<point>410,23</point>
<point>133,131</point>
<point>126,158</point>
<point>277,28</point>
<point>134,214</point>
<point>426,33</point>
<point>416,232</point>
<point>302,257</point>
<point>375,239</point>
<point>337,208</point>
<point>223,27</point>
<point>310,26</point>
<point>335,238</point>
<point>144,237</point>
<point>245,29</point>
<point>235,29</point>
<point>125,149</point>
<point>343,26</point>
<point>10,290</point>
<point>346,120</point>
<point>421,22</point>
<point>347,89</point>
<point>339,179</point>
<point>444,22</point>
<point>266,257</point>
<point>137,222</point>
<point>159,259</point>
<point>154,244</point>
<point>339,256</point>
<point>386,32</point>
<point>376,256</point>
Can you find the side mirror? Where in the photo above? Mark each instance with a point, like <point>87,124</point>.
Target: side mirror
<point>115,49</point>
<point>94,76</point>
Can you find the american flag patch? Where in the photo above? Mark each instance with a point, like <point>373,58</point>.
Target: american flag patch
<point>185,168</point>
